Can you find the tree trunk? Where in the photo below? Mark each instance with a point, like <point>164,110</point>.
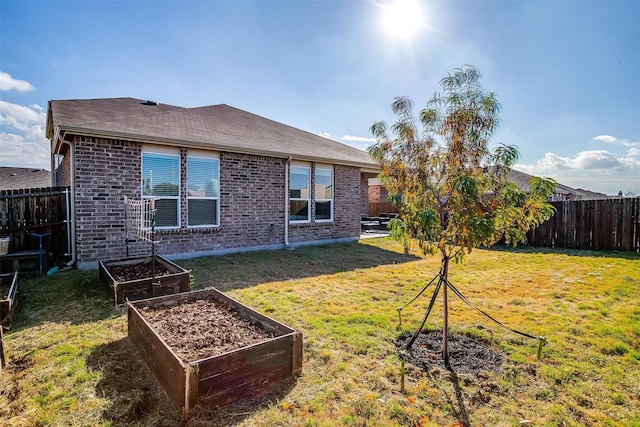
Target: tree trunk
<point>445,309</point>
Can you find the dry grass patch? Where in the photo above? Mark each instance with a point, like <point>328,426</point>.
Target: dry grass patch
<point>71,363</point>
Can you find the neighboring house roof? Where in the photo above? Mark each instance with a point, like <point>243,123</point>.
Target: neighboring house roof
<point>522,179</point>
<point>593,195</point>
<point>219,127</point>
<point>23,178</point>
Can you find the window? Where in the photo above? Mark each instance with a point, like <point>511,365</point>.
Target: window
<point>161,181</point>
<point>299,194</point>
<point>203,190</point>
<point>324,193</point>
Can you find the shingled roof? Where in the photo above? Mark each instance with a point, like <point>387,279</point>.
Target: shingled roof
<point>23,178</point>
<point>219,127</point>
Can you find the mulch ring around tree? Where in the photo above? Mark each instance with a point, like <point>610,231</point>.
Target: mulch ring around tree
<point>466,355</point>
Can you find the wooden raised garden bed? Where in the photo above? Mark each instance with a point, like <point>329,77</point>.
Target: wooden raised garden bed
<point>131,279</point>
<point>195,345</point>
<point>8,297</point>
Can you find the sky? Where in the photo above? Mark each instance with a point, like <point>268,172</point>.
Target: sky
<point>567,73</point>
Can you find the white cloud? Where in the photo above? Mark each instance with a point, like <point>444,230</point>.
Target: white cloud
<point>605,138</point>
<point>9,83</point>
<point>14,114</point>
<point>585,161</point>
<point>630,143</point>
<point>357,138</point>
<point>633,152</point>
<point>596,170</point>
<point>325,135</point>
<point>613,140</point>
<point>22,139</point>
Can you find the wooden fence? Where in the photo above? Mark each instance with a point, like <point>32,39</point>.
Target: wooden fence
<point>375,209</point>
<point>26,213</point>
<point>610,224</point>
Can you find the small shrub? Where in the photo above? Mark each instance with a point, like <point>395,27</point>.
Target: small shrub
<point>618,398</point>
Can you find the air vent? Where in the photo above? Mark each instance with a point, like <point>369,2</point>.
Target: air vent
<point>152,103</point>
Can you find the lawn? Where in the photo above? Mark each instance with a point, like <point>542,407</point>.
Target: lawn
<point>71,363</point>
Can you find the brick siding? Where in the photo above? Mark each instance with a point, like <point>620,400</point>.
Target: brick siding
<point>252,204</point>
<point>378,194</point>
<point>346,210</point>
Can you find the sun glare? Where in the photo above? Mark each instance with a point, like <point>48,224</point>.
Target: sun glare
<point>402,18</point>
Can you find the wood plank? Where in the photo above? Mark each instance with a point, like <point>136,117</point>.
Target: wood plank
<point>279,347</point>
<point>167,368</point>
<point>178,280</point>
<point>296,354</point>
<point>245,389</point>
<point>7,304</point>
<point>218,379</point>
<point>3,357</point>
<point>626,237</point>
<point>248,388</point>
<point>636,226</point>
<point>192,393</point>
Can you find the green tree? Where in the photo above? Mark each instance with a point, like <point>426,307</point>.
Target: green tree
<point>451,189</point>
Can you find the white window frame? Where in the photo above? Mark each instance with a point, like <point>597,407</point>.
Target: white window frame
<point>307,167</point>
<point>209,156</point>
<point>316,199</point>
<point>162,151</point>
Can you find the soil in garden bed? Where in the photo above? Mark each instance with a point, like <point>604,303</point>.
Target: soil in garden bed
<point>4,291</point>
<point>143,270</point>
<point>466,355</point>
<point>5,285</point>
<point>203,328</point>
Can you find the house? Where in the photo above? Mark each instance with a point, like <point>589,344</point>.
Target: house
<point>22,178</point>
<point>561,192</point>
<point>222,179</point>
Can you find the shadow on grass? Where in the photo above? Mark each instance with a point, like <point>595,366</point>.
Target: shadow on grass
<point>72,296</point>
<point>242,270</point>
<point>128,386</point>
<point>523,249</point>
<point>461,413</point>
<point>135,398</point>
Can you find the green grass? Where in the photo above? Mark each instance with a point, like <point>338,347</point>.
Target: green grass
<point>71,363</point>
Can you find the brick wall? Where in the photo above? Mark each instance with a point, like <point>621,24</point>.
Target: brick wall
<point>364,194</point>
<point>252,204</point>
<point>105,171</point>
<point>346,210</point>
<point>62,175</point>
<point>378,194</point>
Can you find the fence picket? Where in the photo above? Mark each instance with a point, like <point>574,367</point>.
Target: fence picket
<point>24,212</point>
<point>609,224</point>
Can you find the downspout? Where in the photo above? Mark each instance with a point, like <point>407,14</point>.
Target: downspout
<point>71,219</point>
<point>286,202</point>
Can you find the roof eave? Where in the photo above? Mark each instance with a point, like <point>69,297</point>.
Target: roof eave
<point>100,133</point>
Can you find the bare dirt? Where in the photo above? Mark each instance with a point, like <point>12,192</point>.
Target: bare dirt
<point>466,355</point>
<point>142,270</point>
<point>203,328</point>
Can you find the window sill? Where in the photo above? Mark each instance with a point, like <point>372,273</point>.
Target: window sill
<point>191,230</point>
<point>309,224</point>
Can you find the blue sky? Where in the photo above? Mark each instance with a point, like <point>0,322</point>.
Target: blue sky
<point>566,72</point>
